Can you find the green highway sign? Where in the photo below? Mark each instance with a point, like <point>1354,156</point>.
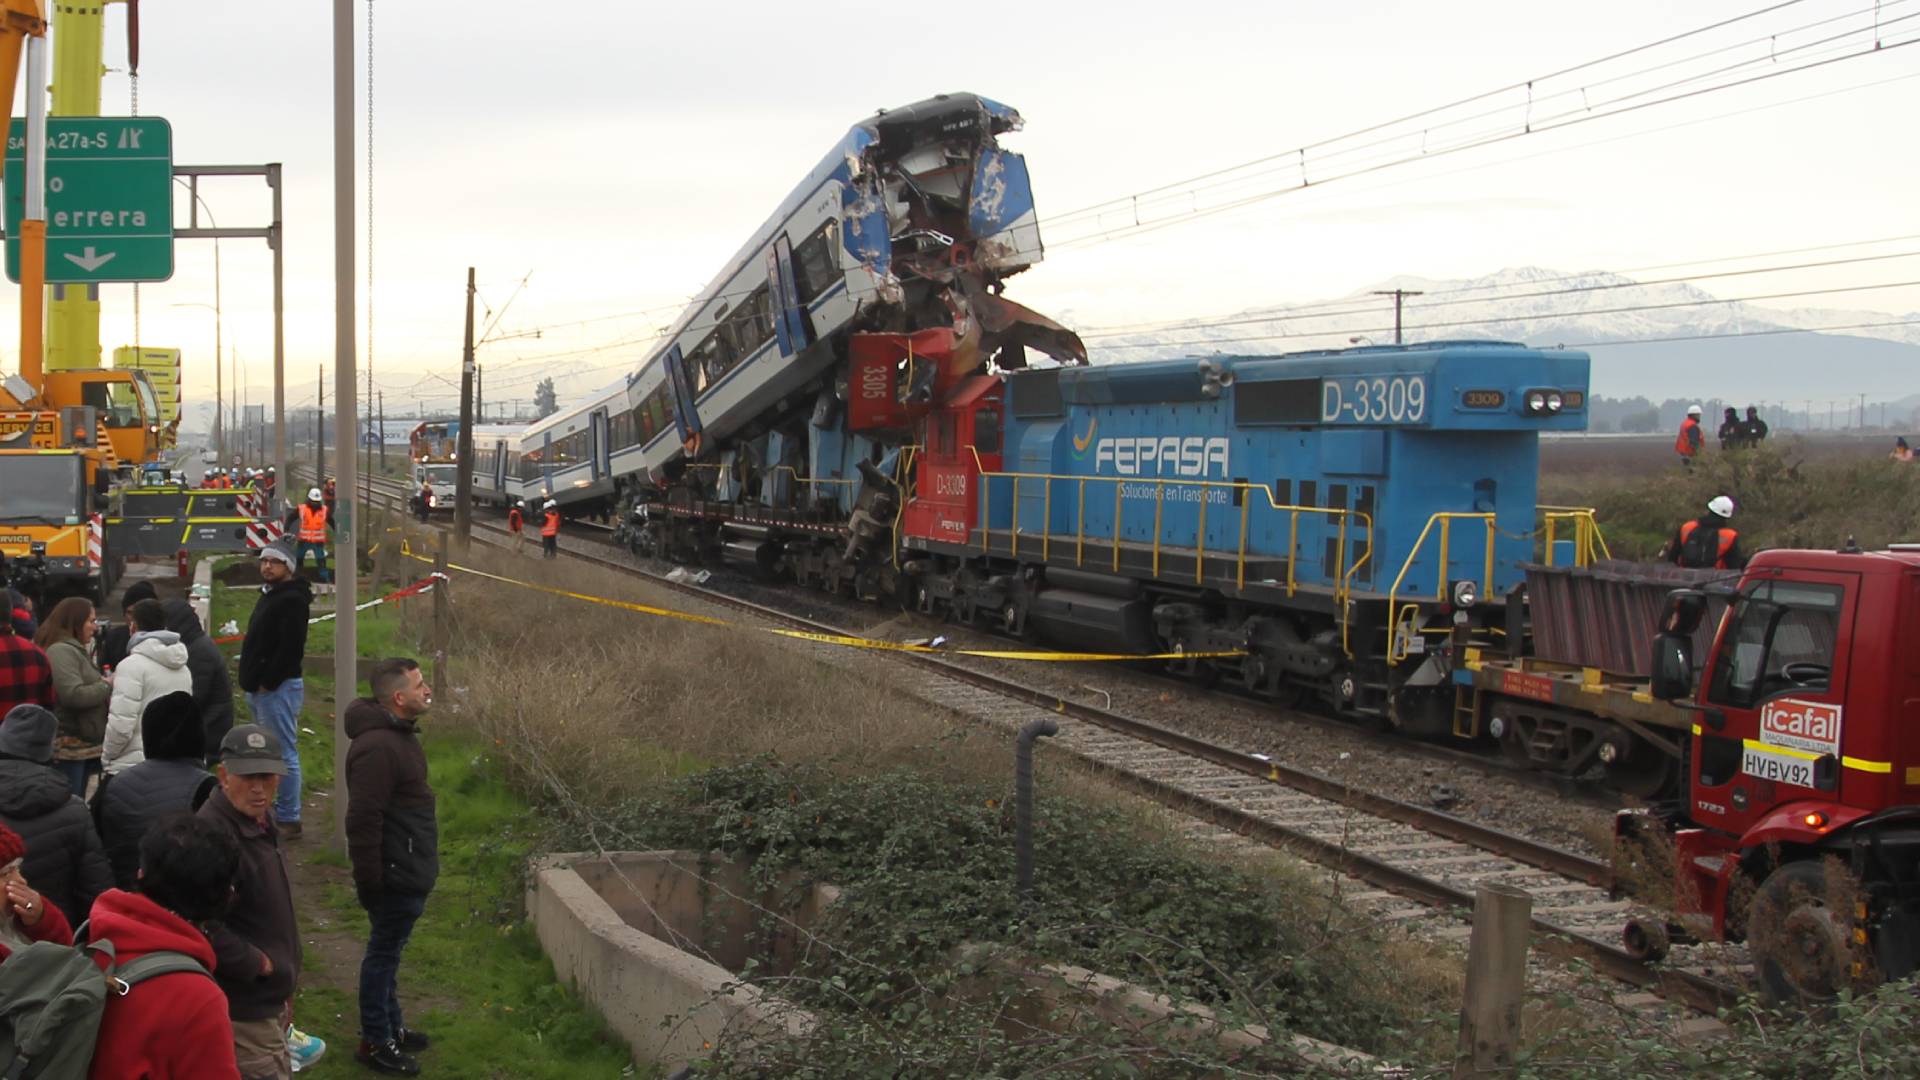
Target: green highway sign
<point>109,198</point>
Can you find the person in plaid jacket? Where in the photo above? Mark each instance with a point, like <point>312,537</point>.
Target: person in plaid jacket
<point>25,676</point>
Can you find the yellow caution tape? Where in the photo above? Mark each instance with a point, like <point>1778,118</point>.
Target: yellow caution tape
<point>846,640</point>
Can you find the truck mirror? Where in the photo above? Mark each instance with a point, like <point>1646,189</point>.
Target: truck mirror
<point>1685,609</point>
<point>1672,666</point>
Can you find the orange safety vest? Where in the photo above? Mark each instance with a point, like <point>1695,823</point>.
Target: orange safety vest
<point>1682,442</point>
<point>313,524</point>
<point>513,520</point>
<point>551,525</point>
<point>1727,539</point>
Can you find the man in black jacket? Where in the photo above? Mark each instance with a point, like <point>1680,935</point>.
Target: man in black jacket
<point>270,665</point>
<point>113,640</point>
<point>393,843</point>
<point>170,780</point>
<point>212,687</point>
<point>64,859</point>
<point>256,947</point>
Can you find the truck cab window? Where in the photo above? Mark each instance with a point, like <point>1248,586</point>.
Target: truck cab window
<point>1781,639</point>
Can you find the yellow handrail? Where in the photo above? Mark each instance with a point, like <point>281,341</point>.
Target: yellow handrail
<point>1396,651</point>
<point>1589,544</point>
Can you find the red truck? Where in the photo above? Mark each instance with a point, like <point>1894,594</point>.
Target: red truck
<point>1800,830</point>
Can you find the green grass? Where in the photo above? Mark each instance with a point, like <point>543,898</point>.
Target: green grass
<point>486,993</point>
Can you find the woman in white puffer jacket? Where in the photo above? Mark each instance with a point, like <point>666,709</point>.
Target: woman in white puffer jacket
<point>156,665</point>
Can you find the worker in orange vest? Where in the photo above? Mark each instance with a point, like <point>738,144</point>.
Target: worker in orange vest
<point>1687,443</point>
<point>550,531</point>
<point>309,522</point>
<point>1709,541</point>
<point>517,526</point>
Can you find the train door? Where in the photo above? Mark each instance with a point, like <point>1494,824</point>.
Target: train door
<point>599,452</point>
<point>500,467</point>
<point>686,416</point>
<point>790,319</point>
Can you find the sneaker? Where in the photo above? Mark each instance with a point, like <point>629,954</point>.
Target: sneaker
<point>289,830</point>
<point>411,1041</point>
<point>304,1049</point>
<point>386,1057</point>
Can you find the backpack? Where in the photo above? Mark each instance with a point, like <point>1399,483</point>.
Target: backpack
<point>1701,548</point>
<point>52,997</point>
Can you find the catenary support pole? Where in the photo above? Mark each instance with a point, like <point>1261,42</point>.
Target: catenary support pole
<point>281,481</point>
<point>346,646</point>
<point>463,455</point>
<point>1496,982</point>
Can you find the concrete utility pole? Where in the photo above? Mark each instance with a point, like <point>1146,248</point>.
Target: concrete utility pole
<point>463,456</point>
<point>1399,297</point>
<point>320,432</point>
<point>1863,412</point>
<point>346,647</point>
<point>383,429</point>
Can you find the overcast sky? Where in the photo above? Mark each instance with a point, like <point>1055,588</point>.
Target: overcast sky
<point>619,152</point>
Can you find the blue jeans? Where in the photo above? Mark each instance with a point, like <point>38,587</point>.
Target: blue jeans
<point>278,711</point>
<point>391,917</point>
<point>77,772</point>
<point>319,558</point>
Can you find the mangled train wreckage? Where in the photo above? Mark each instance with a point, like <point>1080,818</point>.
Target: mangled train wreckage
<point>850,405</point>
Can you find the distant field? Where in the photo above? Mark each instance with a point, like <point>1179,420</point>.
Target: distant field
<point>1587,455</point>
<point>1795,491</point>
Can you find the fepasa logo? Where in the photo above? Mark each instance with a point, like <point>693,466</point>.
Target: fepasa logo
<point>1813,726</point>
<point>1188,457</point>
<point>1081,442</point>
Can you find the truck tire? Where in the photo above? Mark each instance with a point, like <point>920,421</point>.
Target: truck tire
<point>1797,931</point>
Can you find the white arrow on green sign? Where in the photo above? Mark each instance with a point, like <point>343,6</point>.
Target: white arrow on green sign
<point>109,198</point>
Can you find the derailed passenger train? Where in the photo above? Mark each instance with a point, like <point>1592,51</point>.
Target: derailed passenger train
<point>850,406</point>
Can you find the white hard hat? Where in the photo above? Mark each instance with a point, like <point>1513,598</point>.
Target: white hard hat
<point>1693,410</point>
<point>1720,505</point>
<point>313,495</point>
<point>550,504</point>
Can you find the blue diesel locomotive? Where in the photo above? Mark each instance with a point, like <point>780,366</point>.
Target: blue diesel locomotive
<point>1325,513</point>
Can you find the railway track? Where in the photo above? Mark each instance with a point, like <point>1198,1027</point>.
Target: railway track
<point>1420,867</point>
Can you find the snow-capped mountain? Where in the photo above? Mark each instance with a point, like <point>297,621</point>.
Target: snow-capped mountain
<point>1648,339</point>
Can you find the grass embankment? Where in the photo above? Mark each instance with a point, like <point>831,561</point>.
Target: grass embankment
<point>1785,498</point>
<point>473,974</point>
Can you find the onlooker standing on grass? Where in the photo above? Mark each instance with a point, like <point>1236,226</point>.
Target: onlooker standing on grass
<point>170,781</point>
<point>257,943</point>
<point>270,666</point>
<point>172,1025</point>
<point>25,676</point>
<point>1754,431</point>
<point>80,691</point>
<point>156,665</point>
<point>1731,430</point>
<point>25,915</point>
<point>64,858</point>
<point>212,687</point>
<point>393,842</point>
<point>114,639</point>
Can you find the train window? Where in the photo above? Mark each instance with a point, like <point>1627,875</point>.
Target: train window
<point>1035,394</point>
<point>751,324</point>
<point>813,262</point>
<point>1282,401</point>
<point>986,430</point>
<point>712,358</point>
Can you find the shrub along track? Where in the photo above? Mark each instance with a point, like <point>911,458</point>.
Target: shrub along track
<point>1423,865</point>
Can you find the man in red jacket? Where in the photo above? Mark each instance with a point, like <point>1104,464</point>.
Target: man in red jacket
<point>174,1026</point>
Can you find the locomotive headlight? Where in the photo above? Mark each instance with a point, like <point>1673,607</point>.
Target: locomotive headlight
<point>1554,402</point>
<point>1465,594</point>
<point>1536,402</point>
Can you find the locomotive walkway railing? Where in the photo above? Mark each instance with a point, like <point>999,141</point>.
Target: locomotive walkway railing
<point>1589,546</point>
<point>1351,524</point>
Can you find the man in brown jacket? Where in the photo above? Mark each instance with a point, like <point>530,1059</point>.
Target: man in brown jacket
<point>393,843</point>
<point>256,946</point>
